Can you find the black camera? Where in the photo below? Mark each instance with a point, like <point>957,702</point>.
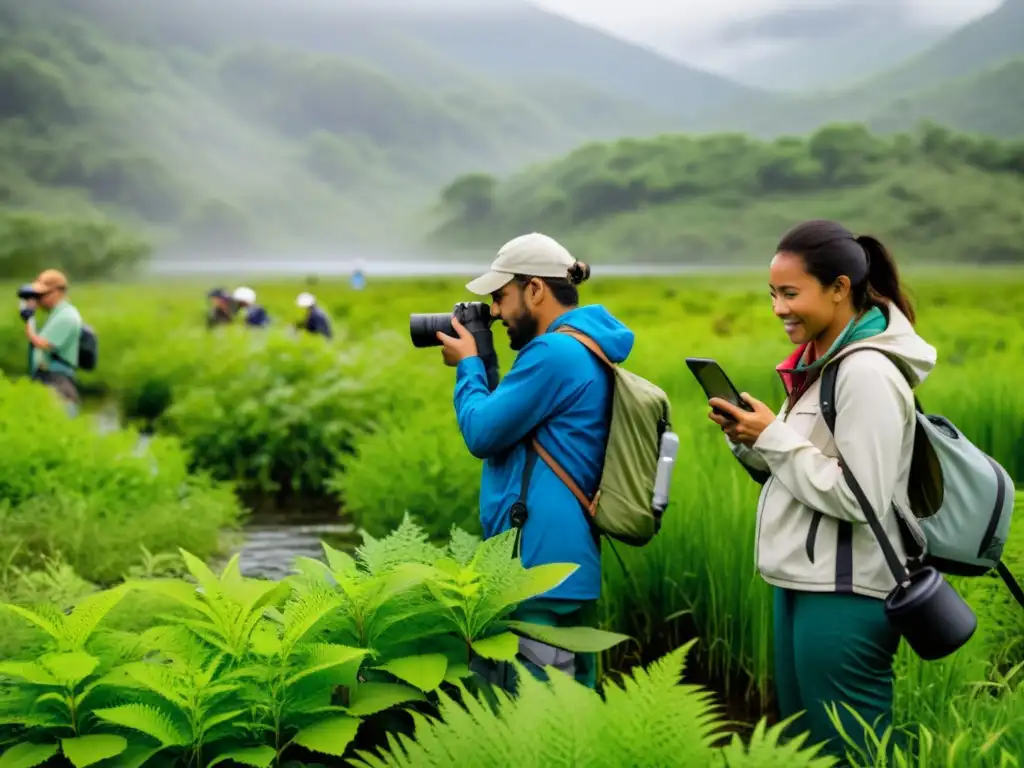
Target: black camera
<point>475,316</point>
<point>27,292</point>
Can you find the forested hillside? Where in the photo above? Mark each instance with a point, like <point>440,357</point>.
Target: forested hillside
<point>275,132</point>
<point>727,198</point>
<point>265,126</point>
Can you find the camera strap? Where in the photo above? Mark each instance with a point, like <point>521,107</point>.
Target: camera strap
<point>519,512</point>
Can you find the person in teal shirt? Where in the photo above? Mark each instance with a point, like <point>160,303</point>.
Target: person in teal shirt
<point>55,347</point>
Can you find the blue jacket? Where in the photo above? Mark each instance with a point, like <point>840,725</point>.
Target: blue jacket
<point>318,322</point>
<point>558,384</point>
<point>257,316</point>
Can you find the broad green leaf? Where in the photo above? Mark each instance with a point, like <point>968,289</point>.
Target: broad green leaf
<point>135,756</point>
<point>425,671</point>
<point>202,573</point>
<point>86,750</point>
<point>330,737</point>
<point>55,698</point>
<point>576,639</point>
<point>338,561</point>
<point>305,614</point>
<point>70,668</point>
<point>456,672</point>
<point>159,679</point>
<point>536,581</point>
<point>258,757</point>
<point>88,613</point>
<point>148,720</point>
<point>324,656</point>
<point>501,647</point>
<point>53,629</point>
<point>448,566</point>
<point>212,722</point>
<point>28,671</point>
<point>26,755</point>
<point>371,698</point>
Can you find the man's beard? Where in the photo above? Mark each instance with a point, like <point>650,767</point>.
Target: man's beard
<point>522,331</point>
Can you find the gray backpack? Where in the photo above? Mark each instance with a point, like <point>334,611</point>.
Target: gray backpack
<point>962,498</point>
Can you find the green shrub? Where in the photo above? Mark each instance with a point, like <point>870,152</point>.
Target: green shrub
<point>415,463</point>
<point>252,670</point>
<point>95,498</point>
<point>83,248</point>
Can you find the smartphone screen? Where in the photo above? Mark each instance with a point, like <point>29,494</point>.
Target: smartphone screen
<point>714,381</point>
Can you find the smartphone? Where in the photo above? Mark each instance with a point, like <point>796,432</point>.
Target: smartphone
<point>712,378</point>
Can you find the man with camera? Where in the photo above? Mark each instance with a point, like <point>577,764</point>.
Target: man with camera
<point>557,392</point>
<point>54,354</point>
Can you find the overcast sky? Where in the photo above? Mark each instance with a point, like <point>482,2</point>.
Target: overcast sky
<point>692,22</point>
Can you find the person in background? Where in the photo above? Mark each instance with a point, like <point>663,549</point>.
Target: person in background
<point>559,392</point>
<point>255,315</point>
<point>55,347</point>
<point>221,311</point>
<point>358,279</point>
<point>316,320</point>
<point>834,293</point>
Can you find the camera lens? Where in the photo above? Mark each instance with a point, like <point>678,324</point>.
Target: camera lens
<point>423,328</point>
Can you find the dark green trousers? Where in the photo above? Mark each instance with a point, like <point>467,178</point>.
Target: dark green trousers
<point>832,648</point>
<point>550,613</point>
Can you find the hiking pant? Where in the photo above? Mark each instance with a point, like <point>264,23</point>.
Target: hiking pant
<point>64,386</point>
<point>536,656</point>
<point>836,648</point>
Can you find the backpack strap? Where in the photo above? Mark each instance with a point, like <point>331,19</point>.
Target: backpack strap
<point>1011,583</point>
<point>587,342</point>
<point>590,505</point>
<point>827,398</point>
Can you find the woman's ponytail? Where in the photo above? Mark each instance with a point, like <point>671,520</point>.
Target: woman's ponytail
<point>883,280</point>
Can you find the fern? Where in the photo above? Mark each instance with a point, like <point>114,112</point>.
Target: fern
<point>225,611</point>
<point>53,705</point>
<point>71,632</point>
<point>651,720</point>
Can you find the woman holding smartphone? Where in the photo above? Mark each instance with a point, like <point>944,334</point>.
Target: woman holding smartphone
<point>834,293</point>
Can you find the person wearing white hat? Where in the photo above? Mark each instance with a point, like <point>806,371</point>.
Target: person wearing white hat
<point>558,392</point>
<point>316,320</point>
<point>255,315</point>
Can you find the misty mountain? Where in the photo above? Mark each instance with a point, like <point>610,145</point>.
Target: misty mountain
<point>971,50</point>
<point>266,123</point>
<point>438,44</point>
<point>800,49</point>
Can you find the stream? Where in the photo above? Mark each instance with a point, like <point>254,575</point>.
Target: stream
<point>267,544</point>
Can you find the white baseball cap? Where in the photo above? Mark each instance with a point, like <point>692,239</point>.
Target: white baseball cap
<point>305,300</point>
<point>244,295</point>
<point>534,254</point>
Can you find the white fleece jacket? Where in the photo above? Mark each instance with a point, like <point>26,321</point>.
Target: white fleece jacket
<point>811,532</point>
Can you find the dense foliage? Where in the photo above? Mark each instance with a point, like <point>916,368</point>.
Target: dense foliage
<point>941,196</point>
<point>252,670</point>
<point>92,498</point>
<point>86,248</point>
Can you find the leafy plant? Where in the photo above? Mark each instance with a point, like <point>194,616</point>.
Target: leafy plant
<point>53,708</point>
<point>651,719</point>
